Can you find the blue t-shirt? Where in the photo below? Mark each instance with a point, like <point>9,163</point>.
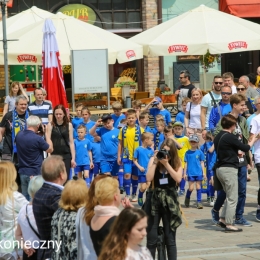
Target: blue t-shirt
<point>109,143</point>
<point>117,119</point>
<point>76,121</point>
<point>148,130</point>
<point>210,157</point>
<point>158,139</point>
<point>165,113</point>
<point>30,147</point>
<point>81,148</point>
<point>193,160</point>
<point>88,125</point>
<point>180,117</point>
<point>96,151</point>
<point>143,156</point>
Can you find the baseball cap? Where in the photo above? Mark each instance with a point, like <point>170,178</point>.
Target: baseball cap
<point>104,118</point>
<point>194,138</point>
<point>158,100</point>
<point>177,123</point>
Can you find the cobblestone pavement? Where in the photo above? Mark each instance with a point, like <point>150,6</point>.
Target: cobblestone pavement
<point>202,240</point>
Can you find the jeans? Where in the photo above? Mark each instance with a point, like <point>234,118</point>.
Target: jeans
<point>25,179</point>
<point>152,229</point>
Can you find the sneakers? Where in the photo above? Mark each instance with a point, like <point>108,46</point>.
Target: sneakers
<point>199,206</point>
<point>257,216</point>
<point>215,216</point>
<point>181,193</point>
<point>140,202</point>
<point>134,198</point>
<point>242,222</point>
<point>211,203</point>
<point>187,202</point>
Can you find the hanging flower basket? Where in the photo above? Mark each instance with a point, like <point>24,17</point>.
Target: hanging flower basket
<point>207,60</point>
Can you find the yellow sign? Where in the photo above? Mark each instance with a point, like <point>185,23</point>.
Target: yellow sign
<point>81,12</point>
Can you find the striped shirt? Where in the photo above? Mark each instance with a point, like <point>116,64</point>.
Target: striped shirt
<point>41,111</point>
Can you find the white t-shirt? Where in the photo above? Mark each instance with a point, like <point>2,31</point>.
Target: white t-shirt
<point>11,103</point>
<point>255,129</point>
<point>28,234</point>
<point>208,102</point>
<point>194,111</point>
<point>141,254</point>
<point>234,89</point>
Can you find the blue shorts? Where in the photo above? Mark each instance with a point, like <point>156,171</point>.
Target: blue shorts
<point>96,169</point>
<point>109,166</point>
<point>195,178</point>
<point>130,167</point>
<point>142,179</point>
<point>81,168</point>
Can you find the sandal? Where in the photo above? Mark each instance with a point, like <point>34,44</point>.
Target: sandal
<point>228,230</point>
<point>221,224</point>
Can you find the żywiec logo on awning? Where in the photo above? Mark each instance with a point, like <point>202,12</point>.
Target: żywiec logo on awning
<point>26,57</point>
<point>178,48</point>
<point>237,45</point>
<point>130,54</point>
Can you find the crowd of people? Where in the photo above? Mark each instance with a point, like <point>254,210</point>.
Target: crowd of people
<point>73,172</point>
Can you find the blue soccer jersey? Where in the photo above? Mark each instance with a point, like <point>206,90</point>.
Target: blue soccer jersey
<point>143,156</point>
<point>193,160</point>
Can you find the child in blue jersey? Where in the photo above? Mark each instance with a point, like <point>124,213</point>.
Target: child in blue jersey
<point>159,134</point>
<point>180,116</point>
<point>118,115</point>
<point>87,122</point>
<point>142,155</point>
<point>137,105</point>
<point>159,109</point>
<point>169,133</point>
<point>144,121</point>
<point>77,120</point>
<point>83,154</point>
<point>96,154</point>
<point>211,158</point>
<point>194,170</point>
<point>109,144</point>
<point>129,140</point>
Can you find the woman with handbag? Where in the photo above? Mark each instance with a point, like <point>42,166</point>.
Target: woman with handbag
<point>11,201</point>
<point>165,172</point>
<point>60,131</point>
<point>227,169</point>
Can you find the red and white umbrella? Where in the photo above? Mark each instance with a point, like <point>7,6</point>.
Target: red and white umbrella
<point>52,76</point>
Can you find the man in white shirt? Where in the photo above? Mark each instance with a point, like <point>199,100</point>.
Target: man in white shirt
<point>228,78</point>
<point>210,100</point>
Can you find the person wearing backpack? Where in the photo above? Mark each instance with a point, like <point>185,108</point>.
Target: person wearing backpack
<point>210,101</point>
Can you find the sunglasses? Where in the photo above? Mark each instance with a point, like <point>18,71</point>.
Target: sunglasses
<point>220,83</point>
<point>241,89</point>
<point>182,77</point>
<point>226,93</point>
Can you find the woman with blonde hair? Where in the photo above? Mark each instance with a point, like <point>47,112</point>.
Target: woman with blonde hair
<point>192,115</point>
<point>73,197</point>
<point>125,236</point>
<point>11,201</point>
<point>16,89</point>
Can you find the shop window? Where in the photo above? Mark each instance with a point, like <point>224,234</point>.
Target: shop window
<point>105,5</point>
<point>119,5</point>
<point>119,17</point>
<point>107,18</point>
<point>41,4</point>
<point>134,18</point>
<point>133,4</point>
<point>93,2</point>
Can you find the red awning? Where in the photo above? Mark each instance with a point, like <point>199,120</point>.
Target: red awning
<point>241,8</point>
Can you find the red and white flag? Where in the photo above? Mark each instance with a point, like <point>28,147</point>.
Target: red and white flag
<point>52,76</point>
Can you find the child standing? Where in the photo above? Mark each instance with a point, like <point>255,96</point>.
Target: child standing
<point>77,120</point>
<point>168,133</point>
<point>211,158</point>
<point>137,105</point>
<point>129,140</point>
<point>144,121</point>
<point>183,148</point>
<point>83,154</point>
<point>109,143</point>
<point>142,156</point>
<point>180,116</point>
<point>118,115</point>
<point>159,134</point>
<point>194,170</point>
<point>96,154</point>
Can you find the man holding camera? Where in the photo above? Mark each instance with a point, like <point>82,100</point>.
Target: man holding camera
<point>30,147</point>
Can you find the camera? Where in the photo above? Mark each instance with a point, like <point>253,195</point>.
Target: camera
<point>162,154</point>
<point>40,130</point>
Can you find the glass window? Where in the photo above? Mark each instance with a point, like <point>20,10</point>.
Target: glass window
<point>119,4</point>
<point>105,5</point>
<point>133,18</point>
<point>41,4</point>
<point>119,17</point>
<point>107,17</point>
<point>93,2</point>
<point>134,4</point>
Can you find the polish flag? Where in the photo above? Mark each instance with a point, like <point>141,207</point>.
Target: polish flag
<point>52,76</point>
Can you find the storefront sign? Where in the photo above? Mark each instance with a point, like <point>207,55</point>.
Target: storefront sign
<point>81,12</point>
<point>130,54</point>
<point>237,45</point>
<point>26,57</point>
<point>178,48</point>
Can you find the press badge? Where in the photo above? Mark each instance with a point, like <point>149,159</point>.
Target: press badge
<point>163,181</point>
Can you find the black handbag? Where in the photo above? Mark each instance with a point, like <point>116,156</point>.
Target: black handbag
<point>217,184</point>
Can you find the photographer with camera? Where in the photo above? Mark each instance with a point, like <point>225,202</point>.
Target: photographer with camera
<point>30,147</point>
<point>165,172</point>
